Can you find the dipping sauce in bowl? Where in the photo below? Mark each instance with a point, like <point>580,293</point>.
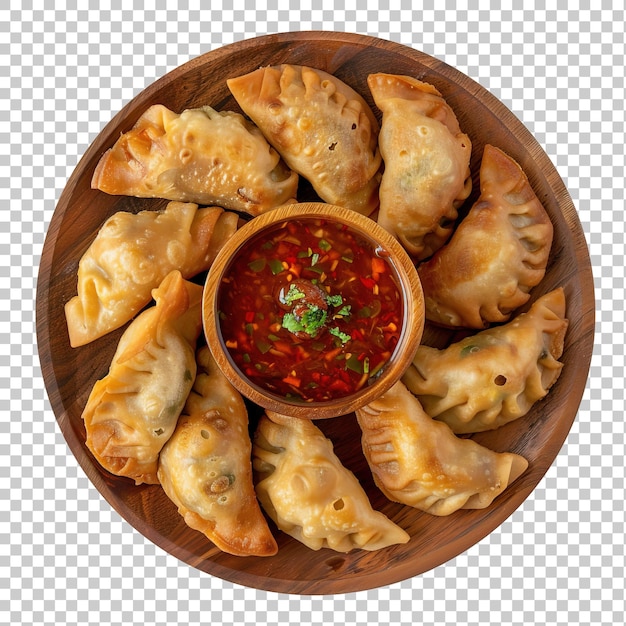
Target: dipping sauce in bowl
<point>313,310</point>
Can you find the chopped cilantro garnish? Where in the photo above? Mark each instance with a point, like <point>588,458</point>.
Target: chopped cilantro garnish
<point>343,337</point>
<point>344,311</point>
<point>292,323</point>
<point>311,321</point>
<point>292,295</point>
<point>335,300</point>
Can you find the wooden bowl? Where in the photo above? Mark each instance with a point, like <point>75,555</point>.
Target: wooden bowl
<point>400,265</point>
<point>70,373</point>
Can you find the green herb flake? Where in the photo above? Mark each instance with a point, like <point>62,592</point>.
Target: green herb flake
<point>324,245</point>
<point>377,370</point>
<point>365,312</point>
<point>311,321</point>
<point>335,300</point>
<point>292,295</point>
<point>292,324</point>
<point>344,311</point>
<point>343,337</point>
<point>467,350</point>
<point>276,266</point>
<point>258,265</point>
<point>354,364</point>
<point>263,346</point>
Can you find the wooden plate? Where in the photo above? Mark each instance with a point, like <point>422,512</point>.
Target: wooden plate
<point>70,373</point>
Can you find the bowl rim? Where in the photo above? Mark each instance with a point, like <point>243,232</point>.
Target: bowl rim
<point>413,319</point>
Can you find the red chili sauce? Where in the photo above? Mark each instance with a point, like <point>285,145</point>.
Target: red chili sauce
<point>310,310</point>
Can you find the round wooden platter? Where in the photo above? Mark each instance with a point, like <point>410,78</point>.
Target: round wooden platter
<point>70,373</point>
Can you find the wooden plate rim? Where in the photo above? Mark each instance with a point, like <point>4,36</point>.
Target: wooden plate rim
<point>364,579</point>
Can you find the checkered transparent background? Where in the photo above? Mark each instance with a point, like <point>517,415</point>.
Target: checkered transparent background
<point>65,556</point>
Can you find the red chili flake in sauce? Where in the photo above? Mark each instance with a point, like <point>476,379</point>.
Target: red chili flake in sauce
<point>323,326</point>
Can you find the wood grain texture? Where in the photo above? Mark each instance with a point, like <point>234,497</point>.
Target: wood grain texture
<point>70,373</point>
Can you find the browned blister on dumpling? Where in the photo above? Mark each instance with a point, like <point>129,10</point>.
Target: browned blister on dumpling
<point>202,155</point>
<point>133,410</point>
<point>420,462</point>
<point>495,376</point>
<point>206,469</point>
<point>426,155</point>
<point>323,129</point>
<point>310,495</point>
<point>132,254</point>
<point>498,253</point>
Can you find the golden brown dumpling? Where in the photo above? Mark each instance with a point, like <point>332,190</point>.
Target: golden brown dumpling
<point>420,462</point>
<point>204,156</point>
<point>132,254</point>
<point>206,470</point>
<point>427,175</point>
<point>495,376</point>
<point>310,495</point>
<point>323,129</point>
<point>133,410</point>
<point>496,255</point>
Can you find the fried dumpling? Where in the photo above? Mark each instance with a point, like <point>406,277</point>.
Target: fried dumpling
<point>206,469</point>
<point>133,410</point>
<point>492,378</point>
<point>204,156</point>
<point>426,155</point>
<point>132,254</point>
<point>420,462</point>
<point>310,495</point>
<point>495,256</point>
<point>323,129</point>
